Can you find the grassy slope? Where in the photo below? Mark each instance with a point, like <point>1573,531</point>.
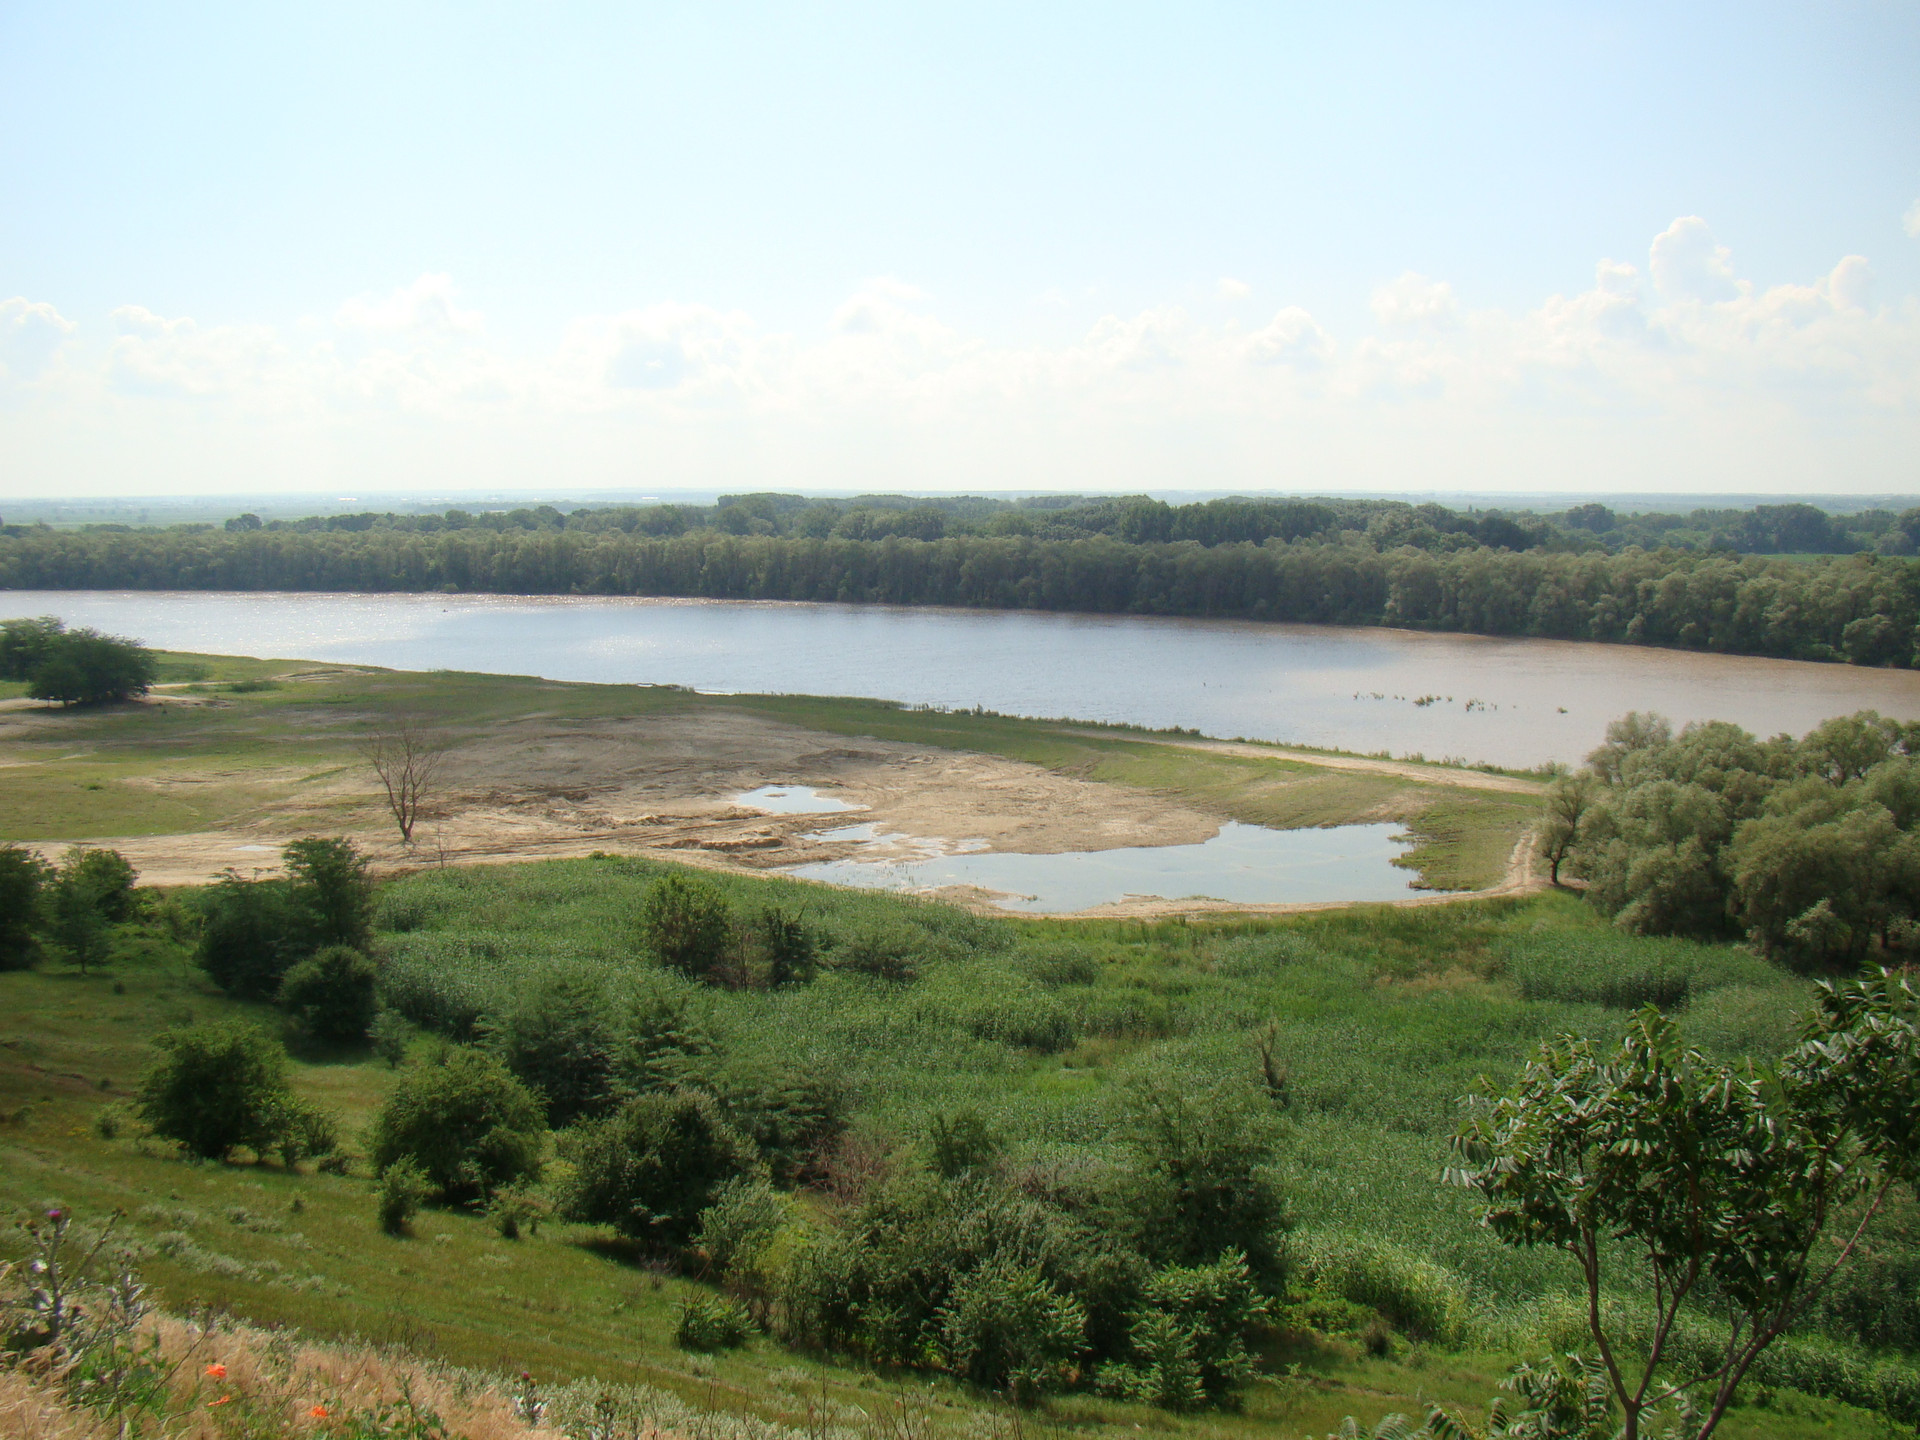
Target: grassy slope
<point>150,770</point>
<point>1384,1016</point>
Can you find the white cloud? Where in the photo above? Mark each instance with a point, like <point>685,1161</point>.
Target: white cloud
<point>1291,338</point>
<point>30,334</point>
<point>1415,301</point>
<point>1700,378</point>
<point>1911,220</point>
<point>1689,264</point>
<point>1231,289</point>
<point>425,306</point>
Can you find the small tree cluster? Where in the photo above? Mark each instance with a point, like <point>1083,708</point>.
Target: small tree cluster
<point>300,940</point>
<point>687,925</point>
<point>1136,1279</point>
<point>1808,848</point>
<point>73,667</point>
<point>73,907</point>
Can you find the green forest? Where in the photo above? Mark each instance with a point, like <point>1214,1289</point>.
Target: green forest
<point>1706,583</point>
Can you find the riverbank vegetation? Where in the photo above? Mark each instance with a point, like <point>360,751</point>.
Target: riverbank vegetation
<point>1586,576</point>
<point>1806,848</point>
<point>1134,1171</point>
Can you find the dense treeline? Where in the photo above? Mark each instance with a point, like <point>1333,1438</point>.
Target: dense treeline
<point>1789,529</point>
<point>1862,609</point>
<point>1809,848</point>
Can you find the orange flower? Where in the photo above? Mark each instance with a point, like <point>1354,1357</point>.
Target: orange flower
<point>218,1372</point>
<point>213,1404</point>
<point>318,1412</point>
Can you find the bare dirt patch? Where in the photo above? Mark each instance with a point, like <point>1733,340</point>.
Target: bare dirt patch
<point>538,787</point>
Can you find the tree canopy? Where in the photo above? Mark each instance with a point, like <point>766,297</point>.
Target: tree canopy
<point>74,667</point>
<point>1807,848</point>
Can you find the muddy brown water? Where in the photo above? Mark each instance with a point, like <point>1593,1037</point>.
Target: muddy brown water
<point>1509,702</point>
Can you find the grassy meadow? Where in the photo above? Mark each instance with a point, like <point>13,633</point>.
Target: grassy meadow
<point>1381,1019</point>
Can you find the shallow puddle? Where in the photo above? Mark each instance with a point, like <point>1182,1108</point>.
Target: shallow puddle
<point>792,800</point>
<point>1244,864</point>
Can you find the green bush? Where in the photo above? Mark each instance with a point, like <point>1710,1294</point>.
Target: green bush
<point>960,1144</point>
<point>650,1169</point>
<point>791,1115</point>
<point>515,1208</point>
<point>91,892</point>
<point>1198,1188</point>
<point>329,887</point>
<point>1007,1328</point>
<point>465,1121</point>
<point>711,1322</point>
<point>248,936</point>
<point>684,922</point>
<point>882,952</point>
<point>332,994</point>
<point>1417,1296</point>
<point>305,1133</point>
<point>23,878</point>
<point>560,1041</point>
<point>781,949</point>
<point>403,1187</point>
<point>388,1036</point>
<point>736,1229</point>
<point>1189,1337</point>
<point>217,1087</point>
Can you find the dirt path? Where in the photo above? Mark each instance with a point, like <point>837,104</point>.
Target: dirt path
<point>1405,769</point>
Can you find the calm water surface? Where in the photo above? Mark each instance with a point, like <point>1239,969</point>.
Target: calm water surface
<point>1511,702</point>
<point>1244,864</point>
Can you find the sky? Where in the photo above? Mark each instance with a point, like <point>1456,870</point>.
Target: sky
<point>1533,247</point>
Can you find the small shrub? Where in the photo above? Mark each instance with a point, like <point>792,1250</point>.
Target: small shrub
<point>327,882</point>
<point>216,1087</point>
<point>465,1122</point>
<point>402,1189</point>
<point>684,922</point>
<point>1189,1338</point>
<point>740,1224</point>
<point>332,994</point>
<point>960,1144</point>
<point>558,1039</point>
<point>515,1208</point>
<point>306,1133</point>
<point>882,952</point>
<point>650,1169</point>
<point>780,947</point>
<point>389,1035</point>
<point>1416,1296</point>
<point>711,1322</point>
<point>1007,1328</point>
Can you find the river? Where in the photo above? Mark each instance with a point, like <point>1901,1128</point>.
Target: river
<point>1508,702</point>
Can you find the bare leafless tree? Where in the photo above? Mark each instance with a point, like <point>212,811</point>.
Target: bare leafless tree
<point>407,757</point>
